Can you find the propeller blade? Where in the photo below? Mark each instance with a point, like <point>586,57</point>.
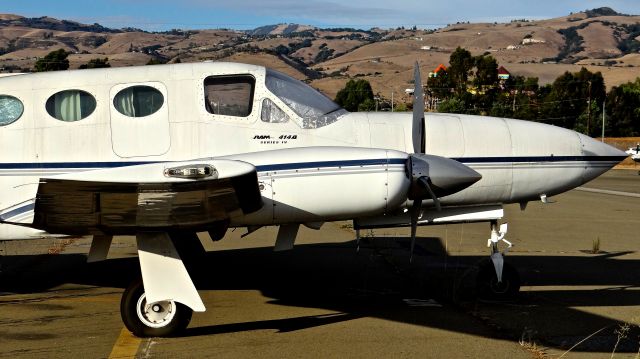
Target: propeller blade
<point>418,127</point>
<point>415,213</point>
<point>433,177</point>
<point>424,181</point>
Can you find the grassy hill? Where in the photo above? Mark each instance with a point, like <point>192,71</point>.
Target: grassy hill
<point>599,39</point>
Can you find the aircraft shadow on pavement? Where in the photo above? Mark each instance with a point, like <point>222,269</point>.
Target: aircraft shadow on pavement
<point>376,282</point>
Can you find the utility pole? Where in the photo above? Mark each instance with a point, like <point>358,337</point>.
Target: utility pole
<point>391,100</point>
<point>589,109</point>
<point>603,114</point>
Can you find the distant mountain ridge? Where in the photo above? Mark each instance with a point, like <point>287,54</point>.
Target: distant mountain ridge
<point>601,39</point>
<point>49,23</point>
<point>603,11</point>
<point>280,29</point>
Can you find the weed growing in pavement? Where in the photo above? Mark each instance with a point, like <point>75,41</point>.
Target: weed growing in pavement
<point>528,342</point>
<point>595,247</point>
<point>622,331</point>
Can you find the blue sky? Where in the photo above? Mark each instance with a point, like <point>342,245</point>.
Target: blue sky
<point>246,14</point>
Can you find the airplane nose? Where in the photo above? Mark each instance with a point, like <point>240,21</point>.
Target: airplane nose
<point>599,157</point>
<point>592,147</point>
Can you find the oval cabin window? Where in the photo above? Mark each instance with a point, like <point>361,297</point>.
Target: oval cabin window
<point>71,105</point>
<point>138,101</point>
<point>10,109</point>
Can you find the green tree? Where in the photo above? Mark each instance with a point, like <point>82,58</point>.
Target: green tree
<point>461,63</point>
<point>623,110</point>
<point>154,61</point>
<point>96,64</point>
<point>440,86</point>
<point>453,105</point>
<point>486,75</point>
<point>518,98</point>
<point>502,107</point>
<point>354,94</point>
<point>53,61</point>
<point>570,101</point>
<point>401,107</point>
<point>367,105</point>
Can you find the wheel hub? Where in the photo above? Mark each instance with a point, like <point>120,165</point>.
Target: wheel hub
<point>155,315</point>
<point>499,287</point>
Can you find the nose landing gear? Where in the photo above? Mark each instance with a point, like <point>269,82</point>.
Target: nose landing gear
<point>496,279</point>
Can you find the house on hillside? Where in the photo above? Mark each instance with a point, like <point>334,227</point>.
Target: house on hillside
<point>503,74</point>
<point>531,41</point>
<point>435,72</point>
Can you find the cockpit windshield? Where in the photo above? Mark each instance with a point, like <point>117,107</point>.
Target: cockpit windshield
<point>315,109</point>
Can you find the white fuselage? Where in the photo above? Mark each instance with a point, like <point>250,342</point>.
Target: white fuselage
<point>519,160</point>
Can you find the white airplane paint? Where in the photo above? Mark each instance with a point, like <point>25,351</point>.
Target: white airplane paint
<point>634,152</point>
<point>156,150</point>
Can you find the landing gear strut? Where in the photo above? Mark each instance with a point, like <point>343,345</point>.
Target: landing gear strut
<point>164,304</point>
<point>496,279</point>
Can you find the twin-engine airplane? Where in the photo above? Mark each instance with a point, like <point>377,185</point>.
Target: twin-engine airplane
<point>164,152</point>
<point>634,152</point>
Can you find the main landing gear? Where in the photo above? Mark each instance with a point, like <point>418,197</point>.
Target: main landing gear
<point>163,305</point>
<point>497,280</point>
<point>158,319</point>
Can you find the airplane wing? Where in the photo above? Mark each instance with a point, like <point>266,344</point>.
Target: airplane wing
<point>149,197</point>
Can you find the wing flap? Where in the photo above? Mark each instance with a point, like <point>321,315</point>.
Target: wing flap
<point>83,203</point>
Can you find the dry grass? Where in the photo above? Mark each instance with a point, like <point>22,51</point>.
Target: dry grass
<point>528,342</point>
<point>60,245</point>
<point>595,246</point>
<point>387,65</point>
<point>599,40</point>
<point>270,61</point>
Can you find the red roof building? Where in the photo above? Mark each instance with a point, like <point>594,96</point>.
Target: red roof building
<point>503,74</point>
<point>435,72</point>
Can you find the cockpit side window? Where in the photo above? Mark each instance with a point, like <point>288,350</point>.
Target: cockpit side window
<point>272,113</point>
<point>229,95</point>
<point>315,109</point>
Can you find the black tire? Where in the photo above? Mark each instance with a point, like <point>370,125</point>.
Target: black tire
<point>131,298</point>
<point>488,287</point>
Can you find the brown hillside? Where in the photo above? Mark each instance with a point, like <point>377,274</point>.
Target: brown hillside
<point>600,40</point>
<point>386,59</point>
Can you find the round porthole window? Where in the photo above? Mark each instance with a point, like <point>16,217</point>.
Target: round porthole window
<point>138,101</point>
<point>10,109</point>
<point>71,105</point>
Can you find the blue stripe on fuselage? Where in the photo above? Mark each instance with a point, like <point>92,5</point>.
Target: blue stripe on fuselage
<point>294,166</point>
<point>525,159</point>
<point>318,164</point>
<point>68,165</point>
<point>325,164</point>
<point>17,211</point>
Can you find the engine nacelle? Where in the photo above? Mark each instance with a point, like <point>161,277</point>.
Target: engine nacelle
<point>327,183</point>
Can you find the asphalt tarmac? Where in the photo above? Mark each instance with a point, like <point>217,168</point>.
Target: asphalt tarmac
<point>578,262</point>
